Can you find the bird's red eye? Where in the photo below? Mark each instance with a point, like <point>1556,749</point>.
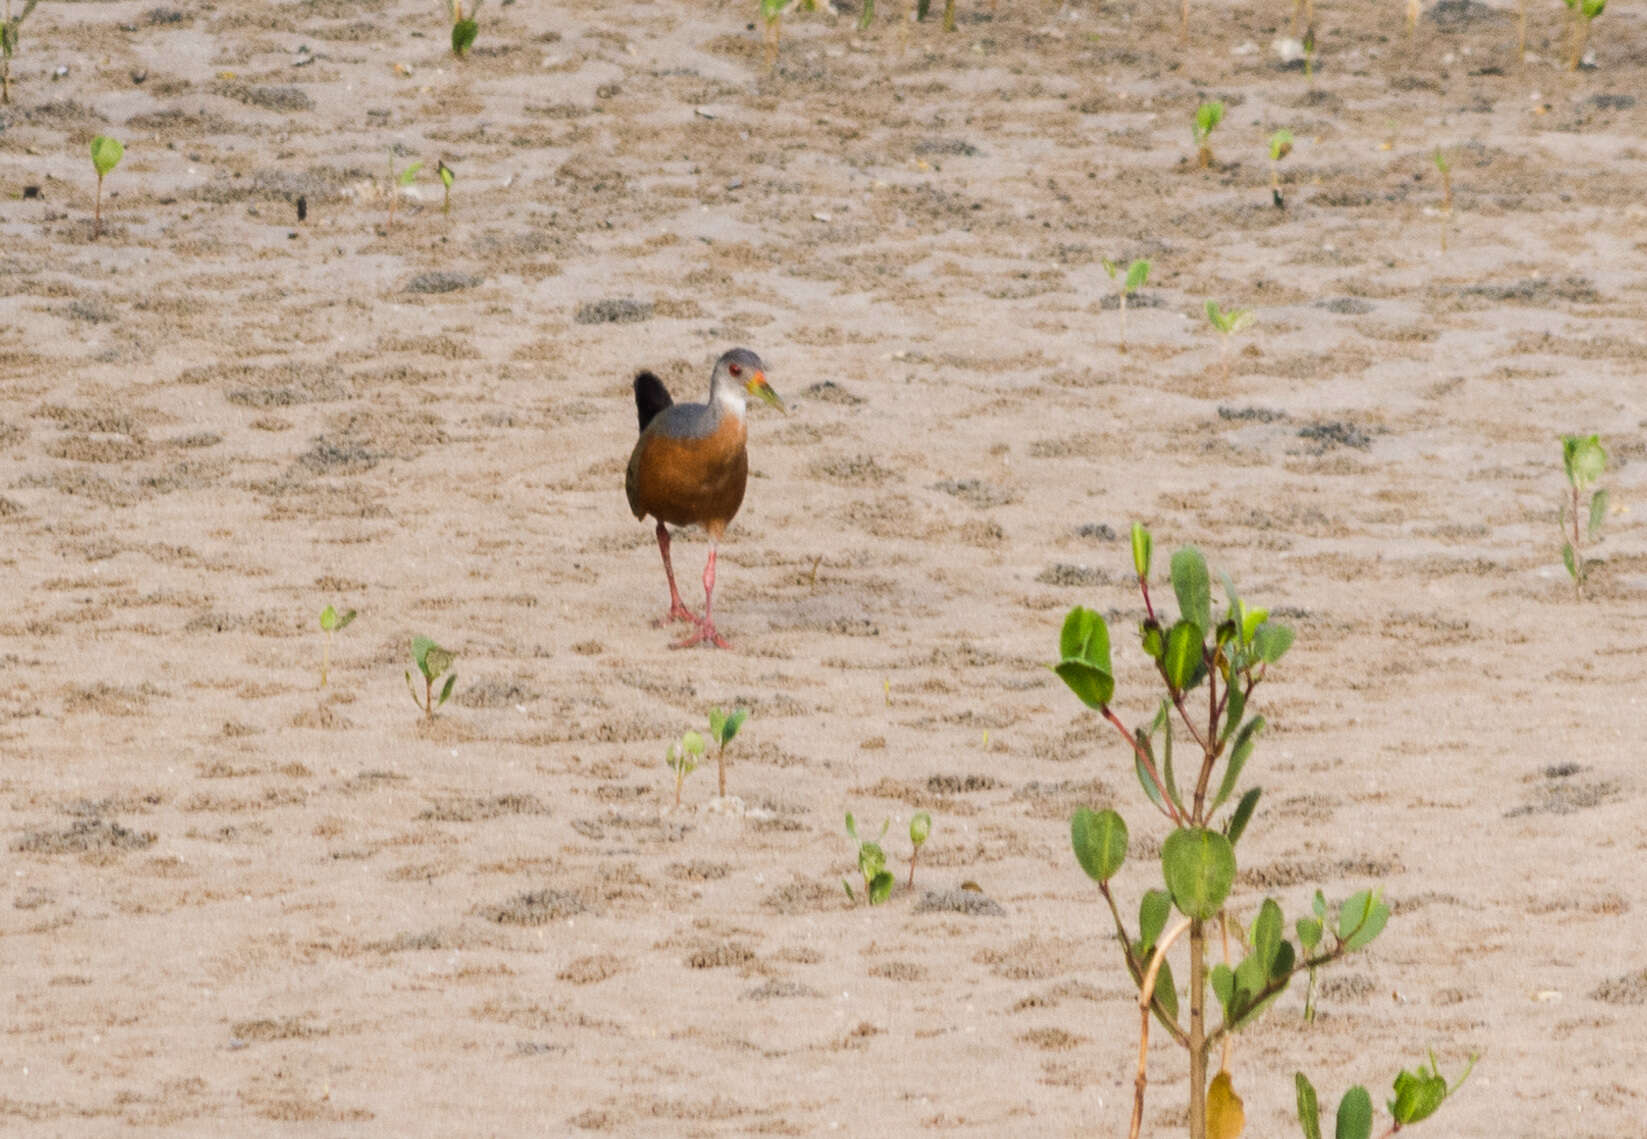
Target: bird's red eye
<point>735,369</point>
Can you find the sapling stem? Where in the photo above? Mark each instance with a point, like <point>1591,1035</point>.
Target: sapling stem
<point>1146,995</point>
<point>1521,31</point>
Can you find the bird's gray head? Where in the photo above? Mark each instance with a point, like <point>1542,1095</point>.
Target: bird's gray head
<point>738,372</point>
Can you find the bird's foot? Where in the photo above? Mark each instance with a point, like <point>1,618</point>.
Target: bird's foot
<point>678,612</point>
<point>704,632</point>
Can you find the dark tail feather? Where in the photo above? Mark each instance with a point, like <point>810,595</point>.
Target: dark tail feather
<point>651,397</point>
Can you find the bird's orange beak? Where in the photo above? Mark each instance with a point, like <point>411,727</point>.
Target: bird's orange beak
<point>759,386</point>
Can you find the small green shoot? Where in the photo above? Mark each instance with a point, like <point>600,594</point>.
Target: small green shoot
<point>1412,18</point>
<point>1418,1095</point>
<point>723,726</point>
<point>920,829</point>
<point>1129,282</point>
<point>433,662</point>
<point>682,758</point>
<point>949,14</point>
<point>1584,12</point>
<point>1280,147</point>
<point>772,14</point>
<point>877,879</point>
<point>464,28</point>
<point>1207,117</point>
<point>446,180</point>
<point>866,17</point>
<point>1227,322</point>
<point>330,622</point>
<point>397,181</point>
<point>106,154</point>
<point>1446,169</point>
<point>9,27</point>
<point>1309,54</point>
<point>1585,461</point>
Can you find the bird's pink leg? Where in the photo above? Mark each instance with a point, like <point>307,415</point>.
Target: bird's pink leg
<point>706,627</point>
<point>677,611</point>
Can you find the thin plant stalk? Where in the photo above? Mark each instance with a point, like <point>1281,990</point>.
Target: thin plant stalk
<point>1521,31</point>
<point>1146,1000</point>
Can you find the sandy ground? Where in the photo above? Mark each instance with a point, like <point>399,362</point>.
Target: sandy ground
<point>236,900</point>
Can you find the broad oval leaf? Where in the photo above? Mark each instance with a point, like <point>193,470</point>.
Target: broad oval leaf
<point>1085,638</point>
<point>1199,868</point>
<point>1154,908</point>
<point>692,742</point>
<point>106,153</point>
<point>437,660</point>
<point>1417,1096</point>
<point>420,654</point>
<point>920,827</point>
<point>1598,511</point>
<point>1226,1115</point>
<point>1094,686</point>
<point>1193,586</point>
<point>1182,656</point>
<point>1355,1118</point>
<point>880,887</point>
<point>1271,641</point>
<point>1265,934</point>
<point>1100,841</point>
<point>463,36</point>
<point>1309,1112</point>
<point>1309,933</point>
<point>1222,979</point>
<point>1137,274</point>
<point>1142,545</point>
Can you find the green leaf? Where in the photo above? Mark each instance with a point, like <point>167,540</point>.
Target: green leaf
<point>446,692</point>
<point>1244,741</point>
<point>1271,641</point>
<point>1309,1113</point>
<point>1222,979</point>
<point>328,618</point>
<point>920,826</point>
<point>437,660</point>
<point>1319,905</point>
<point>1584,459</point>
<point>1355,1118</point>
<point>106,154</point>
<point>1193,586</point>
<point>1235,707</point>
<point>1569,560</point>
<point>772,9</point>
<point>1182,658</point>
<point>1207,117</point>
<point>1166,993</point>
<point>412,688</point>
<point>1085,637</point>
<point>851,825</point>
<point>1199,868</point>
<point>871,860</point>
<point>1142,546</point>
<point>1112,269</point>
<point>1309,933</point>
<point>343,621</point>
<point>463,36</point>
<point>1144,780</point>
<point>1242,815</point>
<point>1265,934</point>
<point>446,175</point>
<point>1154,908</point>
<point>1137,274</point>
<point>1100,841</point>
<point>1592,8</point>
<point>1280,144</point>
<point>880,887</point>
<point>692,742</point>
<point>1167,776</point>
<point>1093,686</point>
<point>1417,1095</point>
<point>420,655</point>
<point>1598,511</point>
<point>409,175</point>
<point>1250,620</point>
<point>1152,640</point>
<point>1372,920</point>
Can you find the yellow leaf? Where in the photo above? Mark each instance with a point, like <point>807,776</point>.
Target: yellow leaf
<point>1226,1118</point>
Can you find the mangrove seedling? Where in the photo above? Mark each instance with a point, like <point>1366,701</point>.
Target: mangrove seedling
<point>433,662</point>
<point>106,154</point>
<point>1130,282</point>
<point>464,28</point>
<point>330,622</point>
<point>9,28</point>
<point>1585,461</point>
<point>682,758</point>
<point>1584,11</point>
<point>1207,666</point>
<point>920,829</point>
<point>1227,322</point>
<point>1418,1095</point>
<point>1280,147</point>
<point>1446,169</point>
<point>877,879</point>
<point>397,182</point>
<point>866,17</point>
<point>446,180</point>
<point>772,13</point>
<point>1207,117</point>
<point>722,727</point>
<point>1309,54</point>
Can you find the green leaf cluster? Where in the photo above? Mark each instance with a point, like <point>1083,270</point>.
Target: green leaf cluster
<point>1280,144</point>
<point>723,726</point>
<point>877,879</point>
<point>1133,279</point>
<point>683,754</point>
<point>331,620</point>
<point>432,662</point>
<point>1261,976</point>
<point>1228,321</point>
<point>464,33</point>
<point>1419,1093</point>
<point>1207,117</point>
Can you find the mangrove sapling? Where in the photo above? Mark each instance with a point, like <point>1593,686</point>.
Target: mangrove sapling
<point>1585,461</point>
<point>1136,275</point>
<point>722,727</point>
<point>106,154</point>
<point>330,622</point>
<point>446,180</point>
<point>682,758</point>
<point>772,13</point>
<point>397,182</point>
<point>920,829</point>
<point>1418,1094</point>
<point>1280,147</point>
<point>1226,656</point>
<point>433,662</point>
<point>8,44</point>
<point>871,865</point>
<point>1584,11</point>
<point>1227,323</point>
<point>464,28</point>
<point>1446,169</point>
<point>1207,117</point>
